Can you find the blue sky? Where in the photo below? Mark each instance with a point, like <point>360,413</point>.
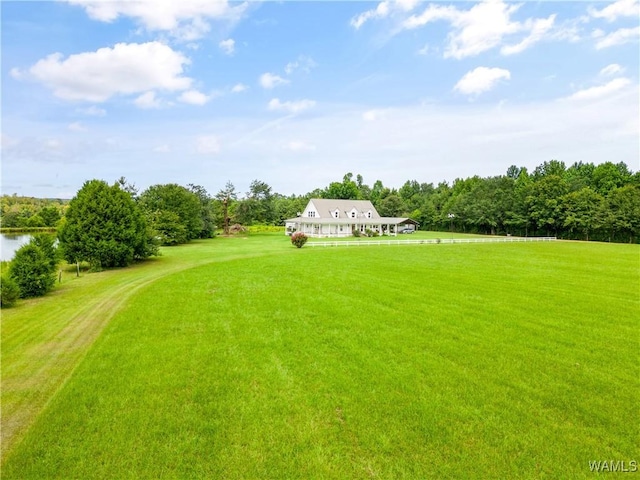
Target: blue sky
<point>297,94</point>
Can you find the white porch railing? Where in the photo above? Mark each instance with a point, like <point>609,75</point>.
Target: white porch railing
<point>430,241</point>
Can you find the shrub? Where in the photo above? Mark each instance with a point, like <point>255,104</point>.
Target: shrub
<point>9,291</point>
<point>355,232</point>
<point>32,271</point>
<point>299,239</point>
<point>47,243</point>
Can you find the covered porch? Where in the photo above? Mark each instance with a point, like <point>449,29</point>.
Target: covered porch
<point>326,228</point>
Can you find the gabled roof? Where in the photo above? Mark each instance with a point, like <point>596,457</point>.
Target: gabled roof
<point>326,206</point>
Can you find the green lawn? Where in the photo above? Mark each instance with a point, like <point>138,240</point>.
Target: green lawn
<point>248,358</point>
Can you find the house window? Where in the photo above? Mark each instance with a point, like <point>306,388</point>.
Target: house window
<point>336,214</point>
<point>369,214</point>
<point>353,214</point>
<point>312,214</point>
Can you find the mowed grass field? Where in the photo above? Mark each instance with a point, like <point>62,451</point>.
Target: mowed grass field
<point>248,358</point>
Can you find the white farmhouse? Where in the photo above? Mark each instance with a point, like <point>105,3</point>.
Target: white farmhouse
<point>340,218</point>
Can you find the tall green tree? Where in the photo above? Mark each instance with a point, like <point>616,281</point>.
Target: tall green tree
<point>105,227</point>
<point>345,190</point>
<point>582,211</point>
<point>50,216</point>
<point>206,210</point>
<point>376,193</point>
<point>621,213</point>
<point>579,175</point>
<point>177,199</point>
<point>391,206</point>
<point>552,167</point>
<point>545,203</point>
<point>225,197</point>
<point>607,176</point>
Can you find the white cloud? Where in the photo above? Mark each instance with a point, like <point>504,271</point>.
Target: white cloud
<point>611,70</point>
<point>52,144</point>
<point>16,73</point>
<point>147,100</point>
<point>539,28</point>
<point>162,148</point>
<point>239,87</point>
<point>291,107</point>
<point>299,146</point>
<point>207,145</point>
<point>304,63</point>
<point>92,111</point>
<point>194,97</point>
<point>595,93</point>
<point>424,50</point>
<point>77,127</point>
<point>407,5</point>
<point>383,10</point>
<point>613,11</point>
<point>466,139</point>
<point>481,79</point>
<point>269,80</point>
<point>127,68</point>
<point>186,20</point>
<point>228,46</point>
<point>372,115</point>
<point>483,27</point>
<point>619,37</point>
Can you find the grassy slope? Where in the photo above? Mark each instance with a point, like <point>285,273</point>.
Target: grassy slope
<point>468,360</point>
<point>44,339</point>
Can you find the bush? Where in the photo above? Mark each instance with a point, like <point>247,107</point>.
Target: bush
<point>9,291</point>
<point>355,232</point>
<point>47,243</point>
<point>299,239</point>
<point>32,271</point>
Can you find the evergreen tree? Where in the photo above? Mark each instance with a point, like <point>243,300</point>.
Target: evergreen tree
<point>105,227</point>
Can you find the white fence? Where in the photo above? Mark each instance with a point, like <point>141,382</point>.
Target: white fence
<point>430,241</point>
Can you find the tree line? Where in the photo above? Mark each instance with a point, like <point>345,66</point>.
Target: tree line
<point>28,212</point>
<point>583,201</point>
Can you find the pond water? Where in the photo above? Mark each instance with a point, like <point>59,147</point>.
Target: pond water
<point>10,243</point>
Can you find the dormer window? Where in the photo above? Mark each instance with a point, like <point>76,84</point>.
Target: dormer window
<point>353,214</point>
<point>336,214</point>
<point>369,214</point>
